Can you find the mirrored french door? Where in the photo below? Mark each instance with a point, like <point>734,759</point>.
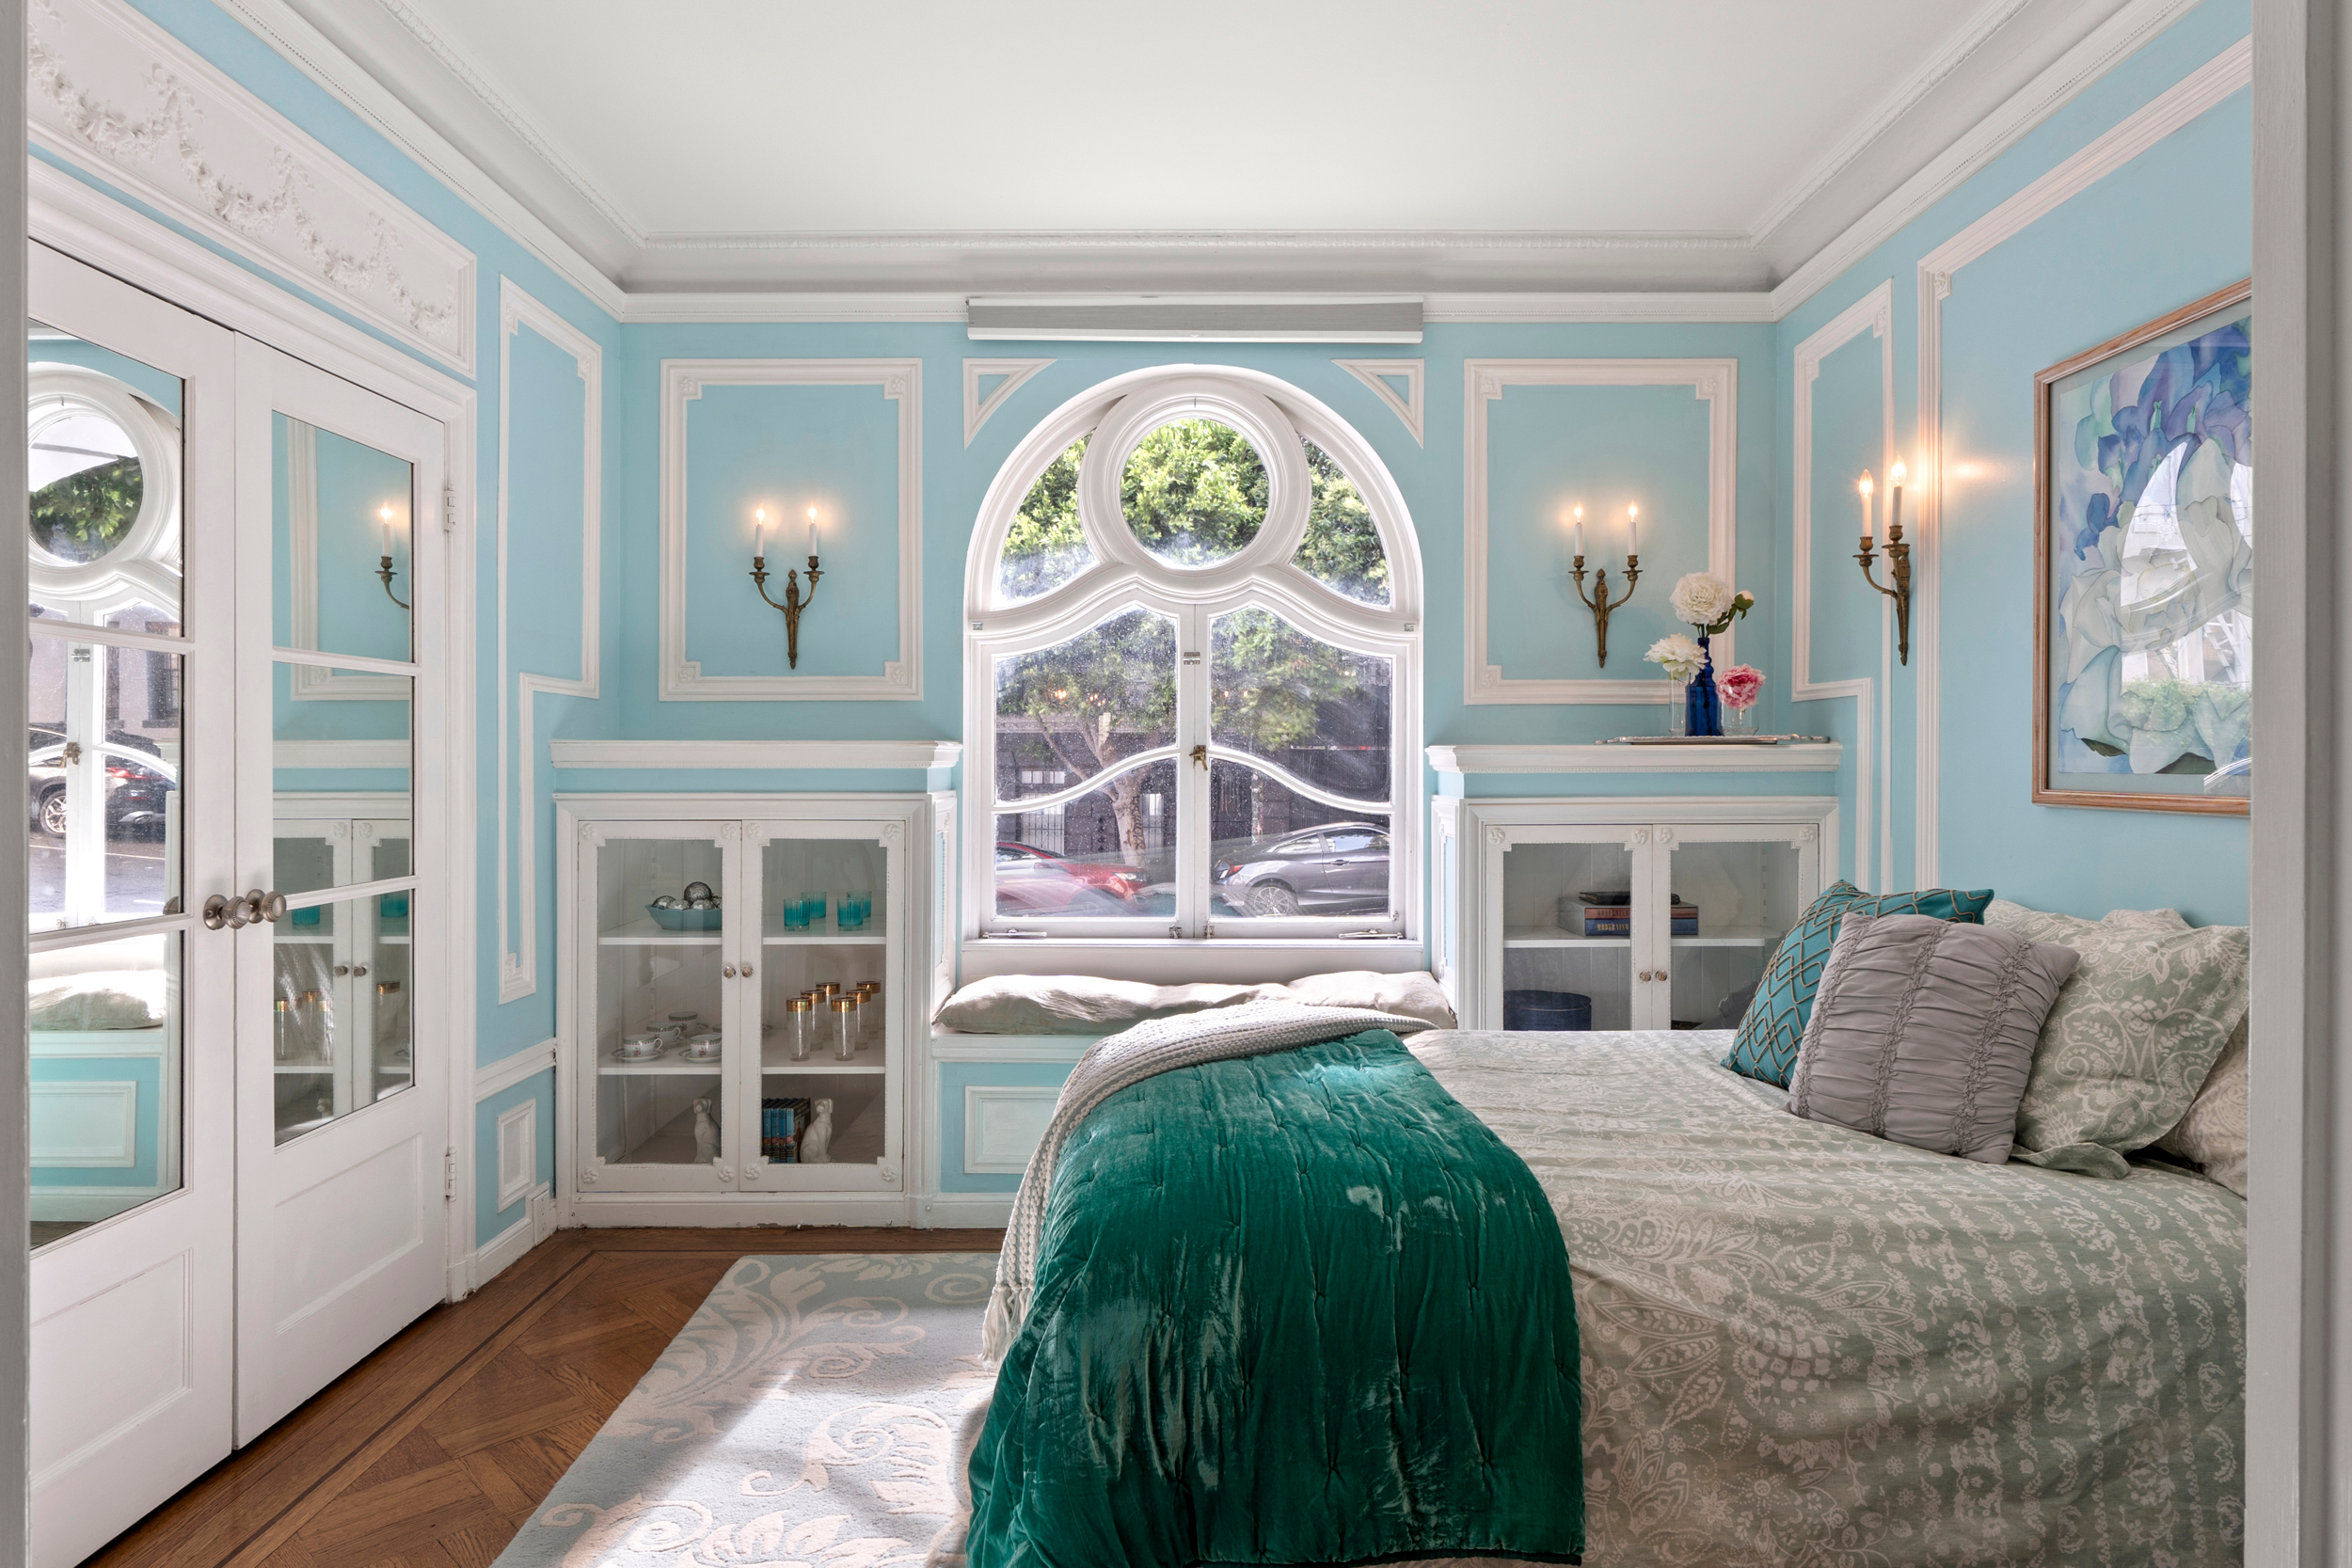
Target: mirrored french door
<point>239,1082</point>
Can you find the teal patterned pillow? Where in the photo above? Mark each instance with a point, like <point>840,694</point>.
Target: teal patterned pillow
<point>1766,1046</point>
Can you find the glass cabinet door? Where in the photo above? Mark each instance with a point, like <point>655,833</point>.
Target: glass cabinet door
<point>1737,889</point>
<point>1571,911</point>
<point>659,922</point>
<point>829,982</point>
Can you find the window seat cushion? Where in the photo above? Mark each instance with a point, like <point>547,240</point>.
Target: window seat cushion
<point>1085,1005</point>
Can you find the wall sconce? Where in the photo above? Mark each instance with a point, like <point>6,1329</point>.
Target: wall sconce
<point>1897,554</point>
<point>794,601</point>
<point>1598,600</point>
<point>384,564</point>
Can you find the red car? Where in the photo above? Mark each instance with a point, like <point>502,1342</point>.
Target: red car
<point>1035,880</point>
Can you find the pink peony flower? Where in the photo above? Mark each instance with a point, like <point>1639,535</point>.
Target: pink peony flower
<point>1740,685</point>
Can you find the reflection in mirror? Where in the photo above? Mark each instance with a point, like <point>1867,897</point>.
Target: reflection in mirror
<point>341,789</point>
<point>102,783</point>
<point>103,1028</point>
<point>340,528</point>
<point>104,476</point>
<point>341,1004</point>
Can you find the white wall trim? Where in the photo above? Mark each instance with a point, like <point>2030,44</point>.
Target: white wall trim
<point>1716,382</point>
<point>1874,312</point>
<point>104,1131</point>
<point>504,1075</point>
<point>2208,86</point>
<point>963,1211</point>
<point>777,756</point>
<point>978,409</point>
<point>1000,1152</point>
<point>507,1247</point>
<point>516,1140</point>
<point>117,94</point>
<point>1410,407</point>
<point>518,814</point>
<point>2108,45</point>
<point>340,753</point>
<point>688,307</point>
<point>682,383</point>
<point>1706,308</point>
<point>1799,757</point>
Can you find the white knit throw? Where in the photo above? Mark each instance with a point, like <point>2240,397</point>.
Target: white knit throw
<point>1111,1064</point>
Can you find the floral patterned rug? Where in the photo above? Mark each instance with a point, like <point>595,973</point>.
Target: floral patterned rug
<point>809,1414</point>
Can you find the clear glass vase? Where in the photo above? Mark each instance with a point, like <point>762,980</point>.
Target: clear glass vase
<point>1677,707</point>
<point>1740,721</point>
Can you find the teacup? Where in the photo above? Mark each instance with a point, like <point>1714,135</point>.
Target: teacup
<point>705,1046</point>
<point>643,1048</point>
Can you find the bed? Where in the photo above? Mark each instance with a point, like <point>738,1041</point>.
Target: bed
<point>1803,1344</point>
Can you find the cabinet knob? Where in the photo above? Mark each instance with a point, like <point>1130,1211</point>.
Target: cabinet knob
<point>747,971</point>
<point>1661,975</point>
<point>358,969</point>
<point>343,969</point>
<point>1646,974</point>
<point>728,972</point>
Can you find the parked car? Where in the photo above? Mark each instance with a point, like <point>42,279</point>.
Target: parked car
<point>1334,868</point>
<point>138,785</point>
<point>1030,881</point>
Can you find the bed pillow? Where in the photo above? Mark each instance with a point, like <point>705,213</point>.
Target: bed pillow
<point>2212,1136</point>
<point>2134,1034</point>
<point>1769,1035</point>
<point>1414,994</point>
<point>102,999</point>
<point>1083,1005</point>
<point>1923,1032</point>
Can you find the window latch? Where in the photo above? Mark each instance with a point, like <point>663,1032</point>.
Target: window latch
<point>1200,756</point>
<point>1009,934</point>
<point>1372,936</point>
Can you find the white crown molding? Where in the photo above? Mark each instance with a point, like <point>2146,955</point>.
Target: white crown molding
<point>686,307</point>
<point>759,755</point>
<point>1798,757</point>
<point>1715,382</point>
<point>519,745</point>
<point>1408,407</point>
<point>333,68</point>
<point>2108,45</point>
<point>1873,313</point>
<point>682,383</point>
<point>2201,90</point>
<point>976,408</point>
<point>115,94</point>
<point>523,1066</point>
<point>1701,307</point>
<point>1906,96</point>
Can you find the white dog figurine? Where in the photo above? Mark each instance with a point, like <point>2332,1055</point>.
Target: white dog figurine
<point>705,1132</point>
<point>817,1141</point>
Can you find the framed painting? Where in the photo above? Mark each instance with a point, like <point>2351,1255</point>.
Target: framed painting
<point>2144,567</point>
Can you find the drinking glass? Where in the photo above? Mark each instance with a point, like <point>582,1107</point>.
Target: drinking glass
<point>813,909</point>
<point>799,1027</point>
<point>845,1026</point>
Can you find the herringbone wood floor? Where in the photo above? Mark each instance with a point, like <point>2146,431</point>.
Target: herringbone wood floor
<point>433,1451</point>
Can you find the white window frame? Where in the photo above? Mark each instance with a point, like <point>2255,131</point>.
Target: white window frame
<point>1273,416</point>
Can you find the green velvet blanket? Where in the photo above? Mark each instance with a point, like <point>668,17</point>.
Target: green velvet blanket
<point>1294,1309</point>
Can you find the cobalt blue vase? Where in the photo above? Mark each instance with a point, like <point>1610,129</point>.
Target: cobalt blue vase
<point>1703,710</point>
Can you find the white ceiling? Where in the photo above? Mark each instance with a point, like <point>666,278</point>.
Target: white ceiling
<point>1396,144</point>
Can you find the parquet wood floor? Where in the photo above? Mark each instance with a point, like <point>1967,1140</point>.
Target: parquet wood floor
<point>434,1451</point>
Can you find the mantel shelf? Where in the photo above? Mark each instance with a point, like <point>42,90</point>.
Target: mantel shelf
<point>1802,757</point>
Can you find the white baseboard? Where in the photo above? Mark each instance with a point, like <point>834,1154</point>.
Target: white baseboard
<point>739,1210</point>
<point>536,1225</point>
<point>961,1211</point>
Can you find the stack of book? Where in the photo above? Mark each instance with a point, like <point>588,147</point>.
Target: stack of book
<point>780,1125</point>
<point>1616,920</point>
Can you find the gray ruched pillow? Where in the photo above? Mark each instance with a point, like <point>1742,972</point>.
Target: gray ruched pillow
<point>1923,1032</point>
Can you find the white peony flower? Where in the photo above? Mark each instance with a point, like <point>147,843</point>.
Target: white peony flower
<point>1700,598</point>
<point>1680,657</point>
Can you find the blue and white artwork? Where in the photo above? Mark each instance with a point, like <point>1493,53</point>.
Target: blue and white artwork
<point>2149,570</point>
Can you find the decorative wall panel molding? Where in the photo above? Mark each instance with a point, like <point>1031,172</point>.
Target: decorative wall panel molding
<point>1715,382</point>
<point>1874,314</point>
<point>1407,408</point>
<point>518,1144</point>
<point>89,1123</point>
<point>1002,1124</point>
<point>507,1071</point>
<point>519,902</point>
<point>682,383</point>
<point>978,409</point>
<point>2204,89</point>
<point>118,95</point>
<point>340,753</point>
<point>762,755</point>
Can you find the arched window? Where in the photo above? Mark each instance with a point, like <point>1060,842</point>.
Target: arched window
<point>1193,673</point>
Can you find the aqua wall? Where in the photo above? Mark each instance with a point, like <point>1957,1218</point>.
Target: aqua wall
<point>2168,227</point>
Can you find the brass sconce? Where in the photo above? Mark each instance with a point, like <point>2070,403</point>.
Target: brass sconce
<point>1898,554</point>
<point>794,600</point>
<point>384,563</point>
<point>1598,600</point>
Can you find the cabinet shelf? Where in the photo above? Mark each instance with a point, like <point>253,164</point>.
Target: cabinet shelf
<point>1551,936</point>
<point>828,935</point>
<point>661,1066</point>
<point>645,933</point>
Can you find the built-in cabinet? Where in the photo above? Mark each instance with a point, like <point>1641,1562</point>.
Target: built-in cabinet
<point>751,978</point>
<point>1613,913</point>
<point>341,1034</point>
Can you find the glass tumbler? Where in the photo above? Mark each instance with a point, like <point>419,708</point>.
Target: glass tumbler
<point>844,1010</point>
<point>812,910</point>
<point>870,1012</point>
<point>799,1027</point>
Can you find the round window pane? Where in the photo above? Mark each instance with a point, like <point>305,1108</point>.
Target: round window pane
<point>86,484</point>
<point>1194,492</point>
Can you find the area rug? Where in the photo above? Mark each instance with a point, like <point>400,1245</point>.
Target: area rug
<point>809,1414</point>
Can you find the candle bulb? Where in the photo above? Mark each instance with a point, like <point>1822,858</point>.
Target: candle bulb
<point>759,530</point>
<point>1579,532</point>
<point>812,533</point>
<point>1632,531</point>
<point>1895,499</point>
<point>1865,487</point>
<point>386,513</point>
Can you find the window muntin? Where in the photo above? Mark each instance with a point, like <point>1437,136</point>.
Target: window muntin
<point>1266,574</point>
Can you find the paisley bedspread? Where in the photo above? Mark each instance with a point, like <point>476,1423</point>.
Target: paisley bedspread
<point>1803,1345</point>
